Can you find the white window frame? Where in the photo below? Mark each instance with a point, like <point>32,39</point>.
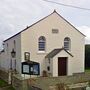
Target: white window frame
<point>67,43</point>
<point>41,44</point>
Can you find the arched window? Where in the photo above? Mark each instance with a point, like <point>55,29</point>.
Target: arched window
<point>41,43</point>
<point>67,43</point>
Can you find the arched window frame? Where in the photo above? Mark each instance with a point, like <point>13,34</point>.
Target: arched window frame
<point>41,43</point>
<point>67,43</point>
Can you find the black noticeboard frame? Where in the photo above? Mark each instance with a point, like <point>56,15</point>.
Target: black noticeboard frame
<point>30,68</point>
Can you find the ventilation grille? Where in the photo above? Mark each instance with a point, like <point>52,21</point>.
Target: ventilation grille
<point>55,31</point>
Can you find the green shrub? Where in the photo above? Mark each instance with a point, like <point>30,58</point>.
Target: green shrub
<point>2,83</point>
<point>10,88</point>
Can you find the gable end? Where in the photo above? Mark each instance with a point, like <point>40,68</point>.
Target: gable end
<point>41,20</point>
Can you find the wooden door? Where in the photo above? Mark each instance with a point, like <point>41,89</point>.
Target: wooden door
<point>62,66</point>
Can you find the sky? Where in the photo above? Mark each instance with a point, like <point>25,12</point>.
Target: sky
<point>15,15</point>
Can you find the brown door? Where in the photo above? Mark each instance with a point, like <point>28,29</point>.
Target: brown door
<point>62,66</point>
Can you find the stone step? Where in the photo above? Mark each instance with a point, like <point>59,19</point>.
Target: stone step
<point>78,85</point>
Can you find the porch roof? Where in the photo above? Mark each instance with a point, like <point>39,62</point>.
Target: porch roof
<point>56,51</point>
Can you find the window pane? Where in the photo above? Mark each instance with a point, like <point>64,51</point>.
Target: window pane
<point>67,43</point>
<point>41,43</point>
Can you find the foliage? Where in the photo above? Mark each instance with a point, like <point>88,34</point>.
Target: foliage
<point>2,83</point>
<point>87,70</point>
<point>10,88</point>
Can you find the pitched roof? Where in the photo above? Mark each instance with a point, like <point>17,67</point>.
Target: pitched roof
<point>55,52</point>
<point>41,20</point>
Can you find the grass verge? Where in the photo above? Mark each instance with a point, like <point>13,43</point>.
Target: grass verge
<point>87,70</point>
<point>3,83</point>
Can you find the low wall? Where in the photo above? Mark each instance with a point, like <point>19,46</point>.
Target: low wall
<point>24,84</point>
<point>17,83</point>
<point>45,83</point>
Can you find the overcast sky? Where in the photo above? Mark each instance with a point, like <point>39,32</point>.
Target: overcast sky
<point>15,15</point>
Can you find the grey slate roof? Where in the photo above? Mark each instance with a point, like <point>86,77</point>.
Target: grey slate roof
<point>55,52</point>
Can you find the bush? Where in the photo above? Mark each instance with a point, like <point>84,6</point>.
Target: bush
<point>3,83</point>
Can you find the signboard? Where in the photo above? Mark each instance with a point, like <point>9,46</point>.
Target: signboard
<point>31,68</point>
<point>26,68</point>
<point>35,69</point>
<point>27,56</point>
